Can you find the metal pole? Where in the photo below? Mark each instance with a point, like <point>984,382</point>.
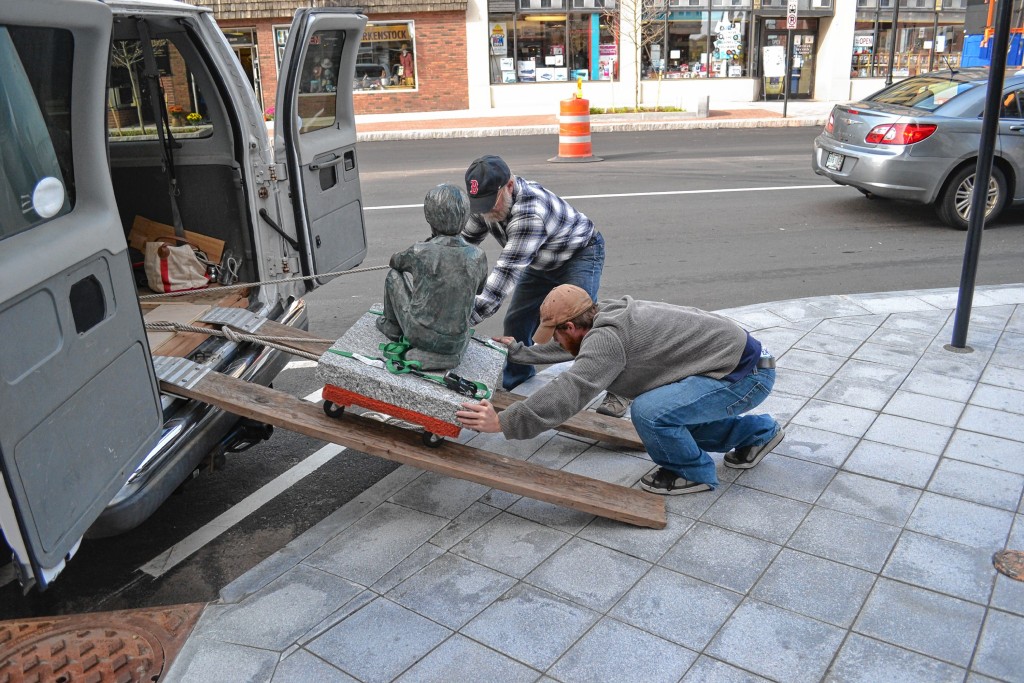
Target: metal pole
<point>789,67</point>
<point>986,151</point>
<point>893,39</point>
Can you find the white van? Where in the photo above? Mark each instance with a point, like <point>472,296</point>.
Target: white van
<point>116,117</point>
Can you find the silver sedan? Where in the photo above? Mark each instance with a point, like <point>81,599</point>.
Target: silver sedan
<point>918,140</point>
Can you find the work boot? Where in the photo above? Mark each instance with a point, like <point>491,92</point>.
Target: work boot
<point>613,405</point>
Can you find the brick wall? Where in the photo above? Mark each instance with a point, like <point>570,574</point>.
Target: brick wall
<point>440,64</point>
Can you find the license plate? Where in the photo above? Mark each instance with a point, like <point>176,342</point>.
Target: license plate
<point>834,162</point>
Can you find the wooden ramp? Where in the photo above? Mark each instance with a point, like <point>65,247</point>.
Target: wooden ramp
<point>589,425</point>
<point>401,445</point>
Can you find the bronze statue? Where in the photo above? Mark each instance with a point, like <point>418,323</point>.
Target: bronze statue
<point>431,287</point>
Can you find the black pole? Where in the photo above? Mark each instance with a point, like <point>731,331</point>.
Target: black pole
<point>986,151</point>
<point>789,70</point>
<point>892,41</point>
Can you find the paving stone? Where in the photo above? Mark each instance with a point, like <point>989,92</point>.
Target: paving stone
<point>451,590</point>
<point>845,538</point>
<point>520,450</point>
<point>950,364</point>
<point>695,504</point>
<point>925,408</point>
<point>678,608</point>
<point>351,607</point>
<point>499,499</point>
<point>777,340</point>
<point>827,343</point>
<point>357,553</point>
<point>462,659</point>
<point>887,355</point>
<point>950,568</point>
<point>999,398</point>
<point>1009,593</point>
<point>419,559</point>
<point>780,406</point>
<point>511,545</point>
<point>890,303</point>
<point>613,651</point>
<point>961,521</point>
<point>1000,647</point>
<point>990,451</point>
<point>762,515</point>
<point>844,328</point>
<point>550,515</point>
<point>811,361</point>
<point>903,339</point>
<point>816,445</point>
<point>615,468</point>
<point>834,417</point>
<point>201,661</point>
<point>798,309</point>
<point>807,585</point>
<point>355,644</point>
<point>788,477</point>
<point>708,670</point>
<point>469,521</point>
<point>858,393</point>
<point>531,625</point>
<point>719,556</point>
<point>907,433</point>
<point>921,620</point>
<point>275,616</point>
<point>776,643</point>
<point>798,383</point>
<point>926,322</point>
<point>646,544</point>
<point>301,665</point>
<point>1003,376</point>
<point>754,317</point>
<point>558,452</point>
<point>1010,356</point>
<point>921,381</point>
<point>983,485</point>
<point>437,494</point>
<point>588,574</point>
<point>881,501</point>
<point>981,341</point>
<point>892,463</point>
<point>866,660</point>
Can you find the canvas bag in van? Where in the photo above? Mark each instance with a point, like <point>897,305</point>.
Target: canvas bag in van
<point>174,268</point>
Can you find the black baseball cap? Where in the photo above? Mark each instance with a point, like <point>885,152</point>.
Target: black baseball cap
<point>484,178</point>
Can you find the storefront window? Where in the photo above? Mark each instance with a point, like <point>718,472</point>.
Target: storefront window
<point>386,58</point>
<point>531,48</point>
<point>925,41</point>
<point>699,45</point>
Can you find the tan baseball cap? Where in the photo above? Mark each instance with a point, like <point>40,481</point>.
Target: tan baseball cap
<point>562,304</point>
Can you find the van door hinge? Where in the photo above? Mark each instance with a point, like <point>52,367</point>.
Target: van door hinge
<point>270,173</point>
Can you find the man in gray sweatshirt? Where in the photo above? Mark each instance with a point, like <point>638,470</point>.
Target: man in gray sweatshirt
<point>692,375</point>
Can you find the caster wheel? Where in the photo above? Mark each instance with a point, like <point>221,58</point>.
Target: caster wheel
<point>332,409</point>
<point>432,440</point>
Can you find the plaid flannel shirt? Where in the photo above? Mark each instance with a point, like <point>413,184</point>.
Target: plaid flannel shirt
<point>542,232</point>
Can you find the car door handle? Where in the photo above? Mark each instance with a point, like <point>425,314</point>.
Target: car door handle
<point>1016,129</point>
<point>325,164</point>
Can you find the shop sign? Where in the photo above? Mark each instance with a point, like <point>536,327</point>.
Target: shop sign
<point>863,41</point>
<point>377,34</point>
<point>499,44</point>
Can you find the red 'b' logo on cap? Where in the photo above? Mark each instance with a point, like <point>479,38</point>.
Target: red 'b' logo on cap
<point>474,187</point>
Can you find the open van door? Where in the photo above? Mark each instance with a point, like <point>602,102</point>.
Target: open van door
<point>315,137</point>
<point>79,403</point>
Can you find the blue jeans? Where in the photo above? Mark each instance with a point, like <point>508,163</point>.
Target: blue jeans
<point>523,314</point>
<point>680,422</point>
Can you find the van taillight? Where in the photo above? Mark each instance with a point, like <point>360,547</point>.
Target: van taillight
<point>899,133</point>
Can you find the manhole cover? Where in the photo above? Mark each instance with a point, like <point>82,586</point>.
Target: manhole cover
<point>129,645</point>
<point>1010,562</point>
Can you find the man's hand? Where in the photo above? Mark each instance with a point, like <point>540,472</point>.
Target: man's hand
<point>503,340</point>
<point>480,417</point>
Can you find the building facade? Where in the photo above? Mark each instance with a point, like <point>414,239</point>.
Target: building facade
<point>423,55</point>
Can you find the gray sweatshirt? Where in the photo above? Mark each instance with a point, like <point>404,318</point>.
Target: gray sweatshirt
<point>633,347</point>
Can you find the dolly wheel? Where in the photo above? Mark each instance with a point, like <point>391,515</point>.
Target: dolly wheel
<point>432,440</point>
<point>332,409</point>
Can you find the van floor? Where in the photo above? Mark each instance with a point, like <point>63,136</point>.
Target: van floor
<point>185,310</point>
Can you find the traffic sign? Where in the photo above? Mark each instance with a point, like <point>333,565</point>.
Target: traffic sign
<point>791,10</point>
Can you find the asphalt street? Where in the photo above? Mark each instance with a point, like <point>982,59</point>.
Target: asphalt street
<point>711,218</point>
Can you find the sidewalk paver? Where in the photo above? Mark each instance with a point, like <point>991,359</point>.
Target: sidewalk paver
<point>859,550</point>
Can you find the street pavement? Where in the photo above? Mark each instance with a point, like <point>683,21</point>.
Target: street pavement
<point>859,550</point>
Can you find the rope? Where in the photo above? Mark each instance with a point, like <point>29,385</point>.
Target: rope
<point>245,285</point>
<point>240,337</point>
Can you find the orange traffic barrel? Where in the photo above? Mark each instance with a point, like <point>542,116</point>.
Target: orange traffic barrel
<point>574,131</point>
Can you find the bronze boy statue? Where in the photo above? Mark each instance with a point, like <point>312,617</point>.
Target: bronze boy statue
<point>431,288</point>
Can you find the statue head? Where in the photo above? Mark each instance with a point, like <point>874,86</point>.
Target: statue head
<point>446,208</point>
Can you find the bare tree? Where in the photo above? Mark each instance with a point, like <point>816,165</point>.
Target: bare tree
<point>636,26</point>
<point>127,54</point>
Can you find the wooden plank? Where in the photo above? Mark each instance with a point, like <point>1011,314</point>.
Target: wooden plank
<point>180,344</point>
<point>452,459</point>
<point>588,424</point>
<point>144,230</point>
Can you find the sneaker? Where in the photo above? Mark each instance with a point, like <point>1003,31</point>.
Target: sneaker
<point>613,405</point>
<point>746,457</point>
<point>666,483</point>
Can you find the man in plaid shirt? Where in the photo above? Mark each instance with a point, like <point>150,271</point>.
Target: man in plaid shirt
<point>545,243</point>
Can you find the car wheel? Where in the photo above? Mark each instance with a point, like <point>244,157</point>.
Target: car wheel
<point>954,205</point>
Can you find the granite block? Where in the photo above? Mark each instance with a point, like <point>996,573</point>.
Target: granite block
<point>588,574</point>
<point>950,568</point>
<point>845,538</point>
<point>724,558</point>
<point>480,363</point>
<point>462,659</point>
<point>866,660</point>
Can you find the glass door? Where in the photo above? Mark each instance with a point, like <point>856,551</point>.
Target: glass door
<point>800,55</point>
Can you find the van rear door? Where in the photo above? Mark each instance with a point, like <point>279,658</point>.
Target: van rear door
<point>80,402</point>
<point>315,137</point>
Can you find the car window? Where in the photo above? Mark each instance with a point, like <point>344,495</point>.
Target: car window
<point>130,115</point>
<point>36,167</point>
<point>927,92</point>
<point>318,100</point>
<point>1011,108</point>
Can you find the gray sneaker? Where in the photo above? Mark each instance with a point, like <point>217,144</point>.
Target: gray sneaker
<point>746,457</point>
<point>613,405</point>
<point>667,483</point>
